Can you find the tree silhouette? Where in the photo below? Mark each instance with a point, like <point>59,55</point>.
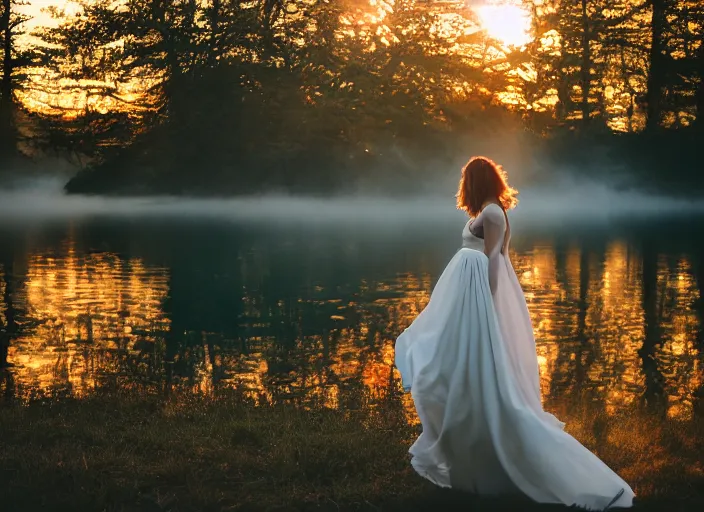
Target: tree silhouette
<point>12,62</point>
<point>183,96</point>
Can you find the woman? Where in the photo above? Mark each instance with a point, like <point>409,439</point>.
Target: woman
<point>485,196</point>
<point>475,383</point>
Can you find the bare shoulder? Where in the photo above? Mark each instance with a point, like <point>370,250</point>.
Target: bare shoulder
<point>494,214</point>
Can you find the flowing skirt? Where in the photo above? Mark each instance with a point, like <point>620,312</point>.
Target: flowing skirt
<point>479,433</point>
<point>517,332</point>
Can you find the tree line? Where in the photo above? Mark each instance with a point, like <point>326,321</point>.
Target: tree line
<point>287,94</point>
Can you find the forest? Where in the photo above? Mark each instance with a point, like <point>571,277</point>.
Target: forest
<point>226,97</point>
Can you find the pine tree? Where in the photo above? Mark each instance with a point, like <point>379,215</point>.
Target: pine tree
<point>12,63</point>
<point>686,66</point>
<point>623,44</point>
<point>569,68</point>
<point>657,71</point>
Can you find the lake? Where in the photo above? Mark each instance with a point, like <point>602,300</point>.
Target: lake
<point>306,307</point>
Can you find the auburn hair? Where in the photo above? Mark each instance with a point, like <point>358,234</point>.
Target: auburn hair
<point>484,180</point>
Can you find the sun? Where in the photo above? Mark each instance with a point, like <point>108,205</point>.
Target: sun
<point>507,22</point>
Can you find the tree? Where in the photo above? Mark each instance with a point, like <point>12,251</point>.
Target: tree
<point>658,63</point>
<point>287,88</point>
<point>12,62</point>
<point>623,43</point>
<point>569,64</point>
<point>686,51</point>
<point>585,72</point>
<point>152,59</point>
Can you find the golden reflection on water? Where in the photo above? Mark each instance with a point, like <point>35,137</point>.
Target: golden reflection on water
<point>589,322</point>
<point>330,369</point>
<point>91,318</point>
<point>678,359</point>
<point>80,311</point>
<point>614,324</point>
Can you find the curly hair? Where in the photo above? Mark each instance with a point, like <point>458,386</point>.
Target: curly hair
<point>483,180</point>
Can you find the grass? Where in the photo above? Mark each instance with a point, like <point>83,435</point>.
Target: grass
<point>186,453</point>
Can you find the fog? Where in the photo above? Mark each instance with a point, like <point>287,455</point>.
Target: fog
<point>563,203</point>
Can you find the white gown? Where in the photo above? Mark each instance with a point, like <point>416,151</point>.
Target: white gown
<point>483,430</point>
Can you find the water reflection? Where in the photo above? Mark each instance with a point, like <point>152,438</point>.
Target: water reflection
<point>312,318</point>
<point>83,318</point>
<point>615,324</point>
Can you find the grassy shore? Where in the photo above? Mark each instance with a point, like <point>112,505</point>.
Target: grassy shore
<point>120,453</point>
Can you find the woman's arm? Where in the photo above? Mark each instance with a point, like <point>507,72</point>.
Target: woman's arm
<point>494,223</point>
